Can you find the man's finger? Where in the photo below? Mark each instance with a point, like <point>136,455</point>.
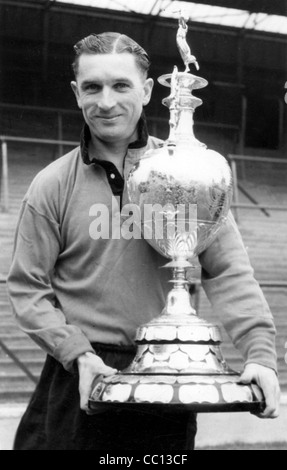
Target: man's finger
<point>85,387</point>
<point>84,395</point>
<point>272,398</point>
<point>268,413</point>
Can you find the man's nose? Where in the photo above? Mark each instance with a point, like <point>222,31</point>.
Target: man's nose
<point>107,100</point>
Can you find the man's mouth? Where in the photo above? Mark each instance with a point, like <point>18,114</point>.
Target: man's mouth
<point>108,118</point>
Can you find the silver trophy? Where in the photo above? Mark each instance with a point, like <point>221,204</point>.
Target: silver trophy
<point>184,192</point>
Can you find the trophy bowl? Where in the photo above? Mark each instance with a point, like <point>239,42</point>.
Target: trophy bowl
<point>184,193</point>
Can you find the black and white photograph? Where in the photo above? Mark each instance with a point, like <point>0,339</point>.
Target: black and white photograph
<point>143,227</point>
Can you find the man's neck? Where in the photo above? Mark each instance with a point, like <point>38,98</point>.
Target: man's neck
<point>111,152</point>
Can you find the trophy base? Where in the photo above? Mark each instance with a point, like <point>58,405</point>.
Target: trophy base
<point>198,394</point>
<point>178,366</point>
<point>253,408</point>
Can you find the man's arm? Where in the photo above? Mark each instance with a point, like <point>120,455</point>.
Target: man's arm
<point>37,247</point>
<point>36,250</point>
<point>237,299</point>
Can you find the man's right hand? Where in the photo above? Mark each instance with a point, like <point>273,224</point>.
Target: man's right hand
<point>90,366</point>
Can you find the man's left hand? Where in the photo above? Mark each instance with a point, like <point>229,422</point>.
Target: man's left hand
<point>268,381</point>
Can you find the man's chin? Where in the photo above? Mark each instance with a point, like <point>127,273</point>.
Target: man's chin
<point>111,137</point>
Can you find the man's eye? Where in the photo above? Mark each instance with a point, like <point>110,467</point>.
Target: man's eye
<point>92,87</point>
<point>121,86</point>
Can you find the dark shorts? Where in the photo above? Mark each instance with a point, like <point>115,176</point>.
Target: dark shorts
<point>54,421</point>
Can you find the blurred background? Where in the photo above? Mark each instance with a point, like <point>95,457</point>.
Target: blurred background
<point>241,46</point>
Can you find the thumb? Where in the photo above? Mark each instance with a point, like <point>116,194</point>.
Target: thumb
<point>246,377</point>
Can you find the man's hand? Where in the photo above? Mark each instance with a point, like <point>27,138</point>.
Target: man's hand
<point>268,381</point>
<point>90,366</point>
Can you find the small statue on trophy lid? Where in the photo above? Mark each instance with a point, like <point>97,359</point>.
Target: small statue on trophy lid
<point>183,47</point>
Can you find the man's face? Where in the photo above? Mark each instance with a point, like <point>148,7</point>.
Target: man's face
<point>111,91</point>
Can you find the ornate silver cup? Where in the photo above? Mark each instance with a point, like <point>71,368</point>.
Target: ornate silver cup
<point>184,193</point>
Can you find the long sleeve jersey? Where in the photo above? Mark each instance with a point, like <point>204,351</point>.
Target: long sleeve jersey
<point>69,289</point>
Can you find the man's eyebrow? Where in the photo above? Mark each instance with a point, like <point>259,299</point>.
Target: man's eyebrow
<point>98,82</point>
<point>122,79</point>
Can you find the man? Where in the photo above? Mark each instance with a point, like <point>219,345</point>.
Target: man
<point>82,298</point>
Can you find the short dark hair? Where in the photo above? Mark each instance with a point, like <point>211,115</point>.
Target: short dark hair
<point>111,43</point>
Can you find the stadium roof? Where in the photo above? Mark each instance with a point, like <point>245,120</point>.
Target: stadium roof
<point>272,7</point>
<point>259,15</point>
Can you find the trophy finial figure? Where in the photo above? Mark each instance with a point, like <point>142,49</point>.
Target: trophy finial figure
<point>182,45</point>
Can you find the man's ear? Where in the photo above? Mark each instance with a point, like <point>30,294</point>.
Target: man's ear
<point>148,87</point>
<point>76,93</point>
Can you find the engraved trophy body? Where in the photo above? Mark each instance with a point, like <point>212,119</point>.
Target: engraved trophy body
<point>184,192</point>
